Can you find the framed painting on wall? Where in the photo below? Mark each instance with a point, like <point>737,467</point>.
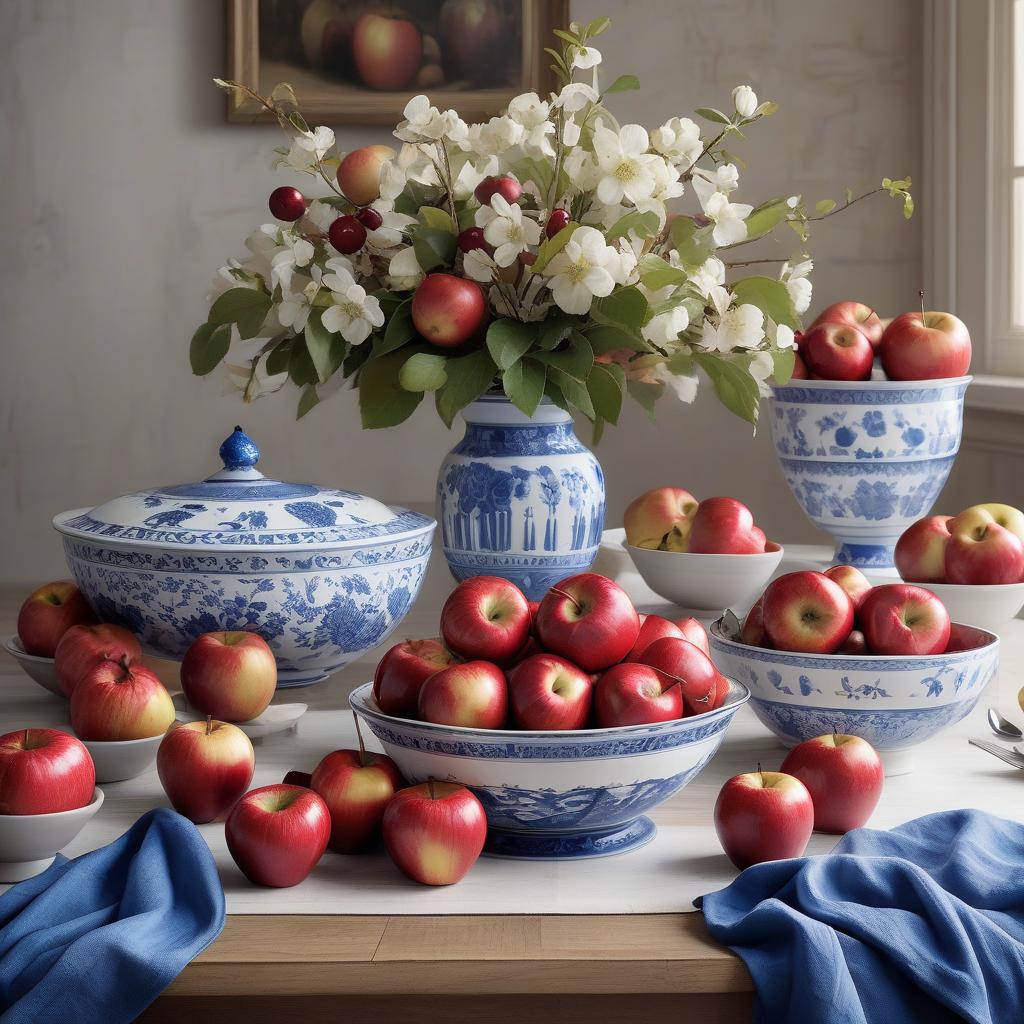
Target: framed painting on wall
<point>360,61</point>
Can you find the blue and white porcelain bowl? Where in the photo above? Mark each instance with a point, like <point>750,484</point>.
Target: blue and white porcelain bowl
<point>557,795</point>
<point>865,459</point>
<point>895,703</point>
<point>321,574</point>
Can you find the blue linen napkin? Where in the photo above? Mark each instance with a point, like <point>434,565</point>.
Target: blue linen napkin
<point>98,938</point>
<point>924,922</point>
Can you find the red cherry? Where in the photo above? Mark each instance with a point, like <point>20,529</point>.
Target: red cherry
<point>369,218</point>
<point>472,238</point>
<point>287,203</point>
<point>508,188</point>
<point>558,220</point>
<point>347,235</point>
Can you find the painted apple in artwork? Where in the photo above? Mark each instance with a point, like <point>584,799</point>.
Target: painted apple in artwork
<point>403,670</point>
<point>356,786</point>
<point>447,310</point>
<point>660,517</point>
<point>48,613</point>
<point>762,816</point>
<point>83,647</point>
<point>473,33</point>
<point>118,701</point>
<point>230,675</point>
<point>920,554</point>
<point>980,551</point>
<point>546,692</point>
<point>837,351</point>
<point>486,617</point>
<point>901,619</point>
<point>359,173</point>
<point>204,768</point>
<point>629,694</point>
<point>855,314</point>
<point>44,771</point>
<point>925,346</point>
<point>276,834</point>
<point>844,776</point>
<point>387,51</point>
<point>724,526</point>
<point>434,832</point>
<point>472,694</point>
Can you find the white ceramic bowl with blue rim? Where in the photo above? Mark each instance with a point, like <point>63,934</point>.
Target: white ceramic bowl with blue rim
<point>321,574</point>
<point>865,459</point>
<point>895,703</point>
<point>557,795</point>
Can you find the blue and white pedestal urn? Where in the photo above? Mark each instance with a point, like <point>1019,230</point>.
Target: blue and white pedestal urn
<point>519,497</point>
<point>321,574</point>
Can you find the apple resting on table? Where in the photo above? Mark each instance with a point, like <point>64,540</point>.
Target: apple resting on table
<point>356,786</point>
<point>230,675</point>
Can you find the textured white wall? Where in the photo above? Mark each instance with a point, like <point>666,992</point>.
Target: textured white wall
<point>124,189</point>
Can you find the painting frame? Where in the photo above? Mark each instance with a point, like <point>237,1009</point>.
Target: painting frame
<point>331,106</point>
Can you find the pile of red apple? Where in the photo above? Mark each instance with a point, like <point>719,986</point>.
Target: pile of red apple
<point>846,338</point>
<point>580,658</point>
<point>983,545</point>
<point>671,519</point>
<point>838,611</point>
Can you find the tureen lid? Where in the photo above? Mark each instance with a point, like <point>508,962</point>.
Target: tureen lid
<point>239,506</point>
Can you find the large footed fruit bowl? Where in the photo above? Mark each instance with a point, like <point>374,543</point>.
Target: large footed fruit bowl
<point>557,795</point>
<point>321,574</point>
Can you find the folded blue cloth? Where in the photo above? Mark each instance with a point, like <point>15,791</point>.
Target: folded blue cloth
<point>921,923</point>
<point>98,938</point>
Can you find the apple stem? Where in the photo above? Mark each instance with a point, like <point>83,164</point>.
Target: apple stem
<point>362,745</point>
<point>209,724</point>
<point>761,773</point>
<point>920,295</point>
<point>430,789</point>
<point>567,596</point>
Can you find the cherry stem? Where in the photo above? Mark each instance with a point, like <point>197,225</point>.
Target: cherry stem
<point>209,724</point>
<point>362,745</point>
<point>568,597</point>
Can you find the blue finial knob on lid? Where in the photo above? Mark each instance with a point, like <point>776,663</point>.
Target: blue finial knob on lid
<point>239,451</point>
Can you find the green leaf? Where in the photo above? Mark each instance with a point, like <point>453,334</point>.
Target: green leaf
<point>550,247</point>
<point>770,296</point>
<point>624,83</point>
<point>766,109</point>
<point>643,225</point>
<point>540,172</point>
<point>382,400</point>
<point>908,206</point>
<point>823,206</point>
<point>432,217</point>
<point>766,217</point>
<point>626,306</point>
<point>555,330</point>
<point>468,378</point>
<point>509,340</point>
<point>597,26</point>
<point>609,338</point>
<point>307,400</point>
<point>576,359</point>
<point>208,347</point>
<point>300,367</point>
<point>433,247</point>
<point>606,385</point>
<point>733,385</point>
<point>710,114</point>
<point>398,330</point>
<point>326,350</point>
<point>645,394</point>
<point>423,371</point>
<point>783,361</point>
<point>694,244</point>
<point>575,392</point>
<point>246,307</point>
<point>523,383</point>
<point>277,360</point>
<point>656,273</point>
<point>566,37</point>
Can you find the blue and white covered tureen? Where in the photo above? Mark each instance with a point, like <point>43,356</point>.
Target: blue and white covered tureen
<point>321,574</point>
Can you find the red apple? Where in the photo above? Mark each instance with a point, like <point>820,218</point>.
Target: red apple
<point>724,526</point>
<point>852,580</point>
<point>83,647</point>
<point>356,786</point>
<point>980,551</point>
<point>547,692</point>
<point>763,816</point>
<point>387,51</point>
<point>529,650</point>
<point>837,351</point>
<point>588,619</point>
<point>1004,515</point>
<point>753,631</point>
<point>694,631</point>
<point>507,187</point>
<point>925,346</point>
<point>435,831</point>
<point>534,606</point>
<point>965,638</point>
<point>472,694</point>
<point>686,664</point>
<point>899,618</point>
<point>359,173</point>
<point>854,643</point>
<point>276,834</point>
<point>43,771</point>
<point>855,314</point>
<point>921,550</point>
<point>806,611</point>
<point>403,670</point>
<point>474,33</point>
<point>48,613</point>
<point>653,627</point>
<point>799,368</point>
<point>204,768</point>
<point>661,516</point>
<point>629,694</point>
<point>447,310</point>
<point>486,617</point>
<point>231,676</point>
<point>844,776</point>
<point>118,701</point>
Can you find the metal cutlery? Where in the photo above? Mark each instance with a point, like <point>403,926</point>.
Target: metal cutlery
<point>1010,757</point>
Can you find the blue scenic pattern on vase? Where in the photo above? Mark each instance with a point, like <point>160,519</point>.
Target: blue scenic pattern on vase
<point>865,460</point>
<point>520,498</point>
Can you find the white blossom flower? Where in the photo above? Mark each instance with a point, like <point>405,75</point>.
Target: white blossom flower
<point>724,178</point>
<point>411,164</point>
<point>745,100</point>
<point>494,137</point>
<point>570,132</point>
<point>585,57</point>
<point>709,280</point>
<point>678,140</point>
<point>308,149</point>
<point>353,313</point>
<point>797,284</point>
<point>479,266</point>
<point>762,366</point>
<point>784,336</point>
<point>404,270</point>
<point>666,180</point>
<point>581,271</point>
<point>683,385</point>
<point>531,112</point>
<point>471,173</point>
<point>729,219</point>
<point>741,327</point>
<point>506,229</point>
<point>575,96</point>
<point>294,309</point>
<point>425,123</point>
<point>665,328</point>
<point>321,215</point>
<point>284,250</point>
<point>623,164</point>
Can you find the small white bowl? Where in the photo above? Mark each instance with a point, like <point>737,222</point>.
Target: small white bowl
<point>984,606</point>
<point>29,842</point>
<point>40,670</point>
<point>706,584</point>
<point>276,717</point>
<point>117,760</point>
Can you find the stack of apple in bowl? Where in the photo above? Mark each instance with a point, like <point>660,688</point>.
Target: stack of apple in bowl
<point>569,719</point>
<point>829,652</point>
<point>703,556</point>
<point>973,561</point>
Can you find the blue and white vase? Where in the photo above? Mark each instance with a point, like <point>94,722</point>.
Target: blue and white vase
<point>519,497</point>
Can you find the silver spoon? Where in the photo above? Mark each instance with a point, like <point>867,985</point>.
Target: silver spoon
<point>1003,728</point>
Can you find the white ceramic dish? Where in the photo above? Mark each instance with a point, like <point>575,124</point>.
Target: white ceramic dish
<point>29,842</point>
<point>706,584</point>
<point>39,670</point>
<point>987,607</point>
<point>117,760</point>
<point>277,717</point>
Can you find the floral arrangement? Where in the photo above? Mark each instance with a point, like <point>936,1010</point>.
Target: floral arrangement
<point>535,253</point>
